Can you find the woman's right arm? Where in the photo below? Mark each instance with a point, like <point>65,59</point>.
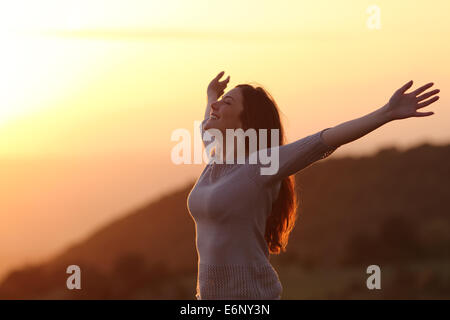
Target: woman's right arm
<point>210,99</point>
<point>215,89</point>
<point>205,118</point>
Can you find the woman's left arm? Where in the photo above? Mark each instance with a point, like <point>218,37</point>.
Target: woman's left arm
<point>400,106</point>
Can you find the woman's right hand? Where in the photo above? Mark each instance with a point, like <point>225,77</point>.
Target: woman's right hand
<point>216,88</point>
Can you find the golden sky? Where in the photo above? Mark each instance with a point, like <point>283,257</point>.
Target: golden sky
<point>112,79</point>
<point>93,76</point>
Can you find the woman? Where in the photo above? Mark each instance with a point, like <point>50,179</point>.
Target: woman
<point>241,215</point>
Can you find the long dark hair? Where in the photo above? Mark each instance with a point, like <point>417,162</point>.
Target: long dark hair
<point>261,112</point>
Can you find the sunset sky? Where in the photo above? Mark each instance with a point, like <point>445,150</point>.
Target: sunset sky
<point>90,92</point>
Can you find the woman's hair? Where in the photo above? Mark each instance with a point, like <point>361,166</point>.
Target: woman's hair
<point>261,112</point>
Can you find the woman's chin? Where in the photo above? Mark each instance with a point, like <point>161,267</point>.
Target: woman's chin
<point>210,124</point>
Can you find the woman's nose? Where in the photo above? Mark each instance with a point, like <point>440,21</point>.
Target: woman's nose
<point>214,105</point>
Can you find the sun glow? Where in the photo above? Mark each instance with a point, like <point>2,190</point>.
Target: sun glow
<point>33,67</point>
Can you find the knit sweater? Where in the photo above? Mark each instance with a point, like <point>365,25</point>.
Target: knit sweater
<point>229,204</point>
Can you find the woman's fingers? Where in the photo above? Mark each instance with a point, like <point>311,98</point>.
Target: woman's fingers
<point>405,87</point>
<point>219,75</point>
<point>422,89</point>
<point>423,114</point>
<point>427,102</point>
<point>226,80</point>
<point>428,94</point>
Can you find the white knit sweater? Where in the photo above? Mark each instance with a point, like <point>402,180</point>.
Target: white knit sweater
<point>229,204</point>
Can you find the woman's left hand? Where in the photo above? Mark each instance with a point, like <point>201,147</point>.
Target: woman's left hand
<point>404,105</point>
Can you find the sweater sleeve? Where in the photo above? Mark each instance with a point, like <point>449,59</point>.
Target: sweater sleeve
<point>292,158</point>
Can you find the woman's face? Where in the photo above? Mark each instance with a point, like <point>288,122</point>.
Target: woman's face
<point>227,110</point>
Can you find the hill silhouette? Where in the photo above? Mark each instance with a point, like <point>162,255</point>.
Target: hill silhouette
<point>391,209</point>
